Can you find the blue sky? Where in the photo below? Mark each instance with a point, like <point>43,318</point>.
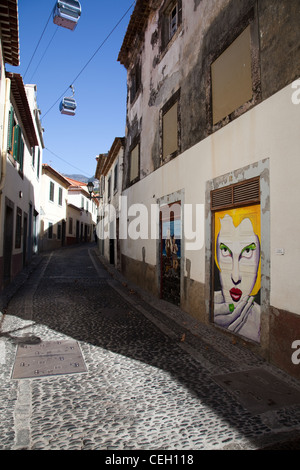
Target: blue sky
<point>73,142</point>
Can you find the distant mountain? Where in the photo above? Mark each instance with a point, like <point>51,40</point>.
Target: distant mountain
<point>84,179</point>
<point>81,178</point>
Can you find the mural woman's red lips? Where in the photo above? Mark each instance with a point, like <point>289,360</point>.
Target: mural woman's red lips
<point>236,294</point>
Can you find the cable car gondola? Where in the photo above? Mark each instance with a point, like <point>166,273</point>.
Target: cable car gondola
<point>68,105</point>
<point>66,13</point>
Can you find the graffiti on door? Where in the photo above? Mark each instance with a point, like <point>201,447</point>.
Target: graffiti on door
<point>237,273</point>
<point>171,253</point>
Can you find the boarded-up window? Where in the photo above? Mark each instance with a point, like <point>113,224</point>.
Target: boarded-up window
<point>231,77</point>
<point>170,131</point>
<point>134,163</point>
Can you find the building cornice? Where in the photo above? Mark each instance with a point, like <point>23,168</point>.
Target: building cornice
<point>20,98</point>
<point>48,169</point>
<point>137,25</point>
<point>105,160</point>
<point>9,25</point>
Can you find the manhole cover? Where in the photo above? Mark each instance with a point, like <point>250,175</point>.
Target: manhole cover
<point>258,390</point>
<point>48,358</point>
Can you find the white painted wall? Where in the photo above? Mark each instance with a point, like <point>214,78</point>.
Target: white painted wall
<point>22,191</point>
<point>51,211</point>
<point>75,198</point>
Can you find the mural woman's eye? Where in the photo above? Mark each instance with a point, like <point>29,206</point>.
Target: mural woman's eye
<point>247,252</point>
<point>225,250</point>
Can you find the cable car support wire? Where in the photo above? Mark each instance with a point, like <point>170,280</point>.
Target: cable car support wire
<point>91,58</point>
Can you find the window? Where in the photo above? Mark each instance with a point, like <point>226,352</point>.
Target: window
<point>11,126</point>
<point>170,127</point>
<point>18,228</point>
<point>173,21</point>
<point>109,188</point>
<point>134,163</point>
<point>70,226</point>
<point>102,185</point>
<point>231,75</point>
<point>136,82</point>
<point>50,230</point>
<point>51,193</point>
<point>60,196</point>
<point>15,140</point>
<point>33,156</point>
<point>38,164</point>
<point>82,202</point>
<point>170,20</point>
<point>116,178</point>
<point>59,231</point>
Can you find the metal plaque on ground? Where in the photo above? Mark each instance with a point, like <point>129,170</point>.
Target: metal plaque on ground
<point>258,390</point>
<point>48,358</point>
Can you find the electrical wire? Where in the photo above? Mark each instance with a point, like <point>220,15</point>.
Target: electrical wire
<point>54,154</point>
<point>91,58</point>
<point>39,41</point>
<point>30,80</point>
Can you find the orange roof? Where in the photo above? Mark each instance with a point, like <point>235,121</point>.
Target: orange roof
<point>58,175</point>
<point>75,182</point>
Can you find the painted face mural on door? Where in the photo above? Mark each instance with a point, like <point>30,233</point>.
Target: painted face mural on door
<point>237,273</point>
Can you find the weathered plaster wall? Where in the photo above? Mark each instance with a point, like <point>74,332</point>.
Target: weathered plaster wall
<point>258,135</point>
<point>207,29</point>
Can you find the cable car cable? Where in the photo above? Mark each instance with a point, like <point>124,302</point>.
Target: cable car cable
<point>38,43</point>
<point>103,42</point>
<point>43,54</point>
<point>91,58</point>
<point>76,168</point>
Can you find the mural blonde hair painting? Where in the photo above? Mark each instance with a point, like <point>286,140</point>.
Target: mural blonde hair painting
<point>238,215</point>
<point>238,260</point>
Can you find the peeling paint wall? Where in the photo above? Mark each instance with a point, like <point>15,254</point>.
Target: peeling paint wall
<point>207,29</point>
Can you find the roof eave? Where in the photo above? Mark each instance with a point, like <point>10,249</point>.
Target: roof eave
<point>19,94</point>
<point>9,25</point>
<point>137,25</point>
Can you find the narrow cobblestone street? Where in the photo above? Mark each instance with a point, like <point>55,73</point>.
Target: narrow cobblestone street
<point>149,382</point>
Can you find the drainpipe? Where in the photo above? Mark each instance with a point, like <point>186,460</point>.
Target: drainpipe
<point>4,137</point>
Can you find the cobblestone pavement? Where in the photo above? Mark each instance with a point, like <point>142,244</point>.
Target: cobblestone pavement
<point>149,381</point>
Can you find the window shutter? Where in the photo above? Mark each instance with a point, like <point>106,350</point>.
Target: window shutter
<point>10,129</point>
<point>179,3</point>
<point>16,142</point>
<point>38,164</point>
<point>248,191</point>
<point>21,153</point>
<point>243,193</point>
